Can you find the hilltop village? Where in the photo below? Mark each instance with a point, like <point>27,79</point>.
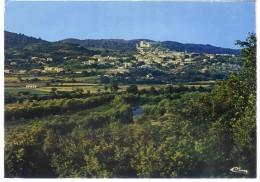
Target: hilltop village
<point>150,63</point>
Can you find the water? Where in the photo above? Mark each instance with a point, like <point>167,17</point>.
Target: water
<point>138,111</point>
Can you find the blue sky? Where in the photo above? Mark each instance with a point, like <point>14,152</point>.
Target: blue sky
<point>217,23</point>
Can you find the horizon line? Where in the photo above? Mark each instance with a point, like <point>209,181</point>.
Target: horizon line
<point>124,40</point>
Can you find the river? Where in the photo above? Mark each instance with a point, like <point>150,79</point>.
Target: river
<point>138,111</point>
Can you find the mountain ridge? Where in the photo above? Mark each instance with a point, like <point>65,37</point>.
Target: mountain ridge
<point>125,45</point>
<point>15,40</point>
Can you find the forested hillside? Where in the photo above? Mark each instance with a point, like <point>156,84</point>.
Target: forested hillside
<point>18,46</point>
<point>118,44</point>
<point>182,132</point>
<point>129,45</point>
<point>199,48</point>
<point>13,40</point>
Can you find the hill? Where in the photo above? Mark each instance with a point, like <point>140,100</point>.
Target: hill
<point>19,41</point>
<point>14,40</point>
<point>198,48</point>
<point>22,46</point>
<point>117,44</point>
<point>128,45</point>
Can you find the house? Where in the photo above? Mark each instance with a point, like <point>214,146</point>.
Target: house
<point>144,66</point>
<point>6,71</point>
<point>31,86</point>
<point>175,62</point>
<point>34,58</point>
<point>188,60</point>
<point>212,56</point>
<point>58,69</point>
<point>42,59</point>
<point>128,65</point>
<point>149,76</point>
<point>91,61</point>
<point>13,63</point>
<point>52,69</point>
<point>36,70</point>
<point>193,55</point>
<point>22,71</point>
<point>112,58</point>
<point>124,71</point>
<point>49,59</point>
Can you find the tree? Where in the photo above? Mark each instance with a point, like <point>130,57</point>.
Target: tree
<point>54,89</point>
<point>233,134</point>
<point>153,91</point>
<point>132,89</point>
<point>79,91</point>
<point>105,79</point>
<point>19,78</point>
<point>113,85</point>
<point>105,87</point>
<point>245,127</point>
<point>169,89</point>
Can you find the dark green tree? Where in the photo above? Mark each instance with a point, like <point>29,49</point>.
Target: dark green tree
<point>132,89</point>
<point>233,134</point>
<point>113,85</point>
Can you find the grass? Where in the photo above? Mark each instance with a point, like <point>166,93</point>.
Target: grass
<point>206,82</point>
<point>101,108</point>
<point>14,78</point>
<point>32,91</point>
<point>89,79</point>
<point>156,86</point>
<point>76,84</point>
<point>85,86</point>
<point>10,79</point>
<point>92,88</point>
<point>44,78</point>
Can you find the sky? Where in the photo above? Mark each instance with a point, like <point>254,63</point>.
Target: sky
<point>216,23</point>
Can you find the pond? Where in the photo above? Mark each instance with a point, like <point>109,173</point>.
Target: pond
<point>138,111</point>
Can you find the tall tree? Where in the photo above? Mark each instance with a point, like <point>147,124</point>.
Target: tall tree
<point>233,134</point>
<point>113,85</point>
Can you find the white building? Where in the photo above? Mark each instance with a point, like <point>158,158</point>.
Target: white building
<point>52,69</point>
<point>31,86</point>
<point>144,44</point>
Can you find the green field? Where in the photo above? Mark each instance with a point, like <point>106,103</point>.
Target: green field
<point>32,91</point>
<point>93,88</point>
<point>14,78</point>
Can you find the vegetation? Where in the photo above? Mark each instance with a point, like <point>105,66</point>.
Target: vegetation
<point>200,48</point>
<point>182,132</point>
<point>123,45</point>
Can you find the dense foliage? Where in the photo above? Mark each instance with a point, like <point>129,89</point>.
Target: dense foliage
<point>128,45</point>
<point>179,134</point>
<point>199,48</point>
<point>13,40</point>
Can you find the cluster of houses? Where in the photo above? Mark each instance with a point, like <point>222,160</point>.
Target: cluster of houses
<point>48,69</point>
<point>148,56</point>
<point>221,67</point>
